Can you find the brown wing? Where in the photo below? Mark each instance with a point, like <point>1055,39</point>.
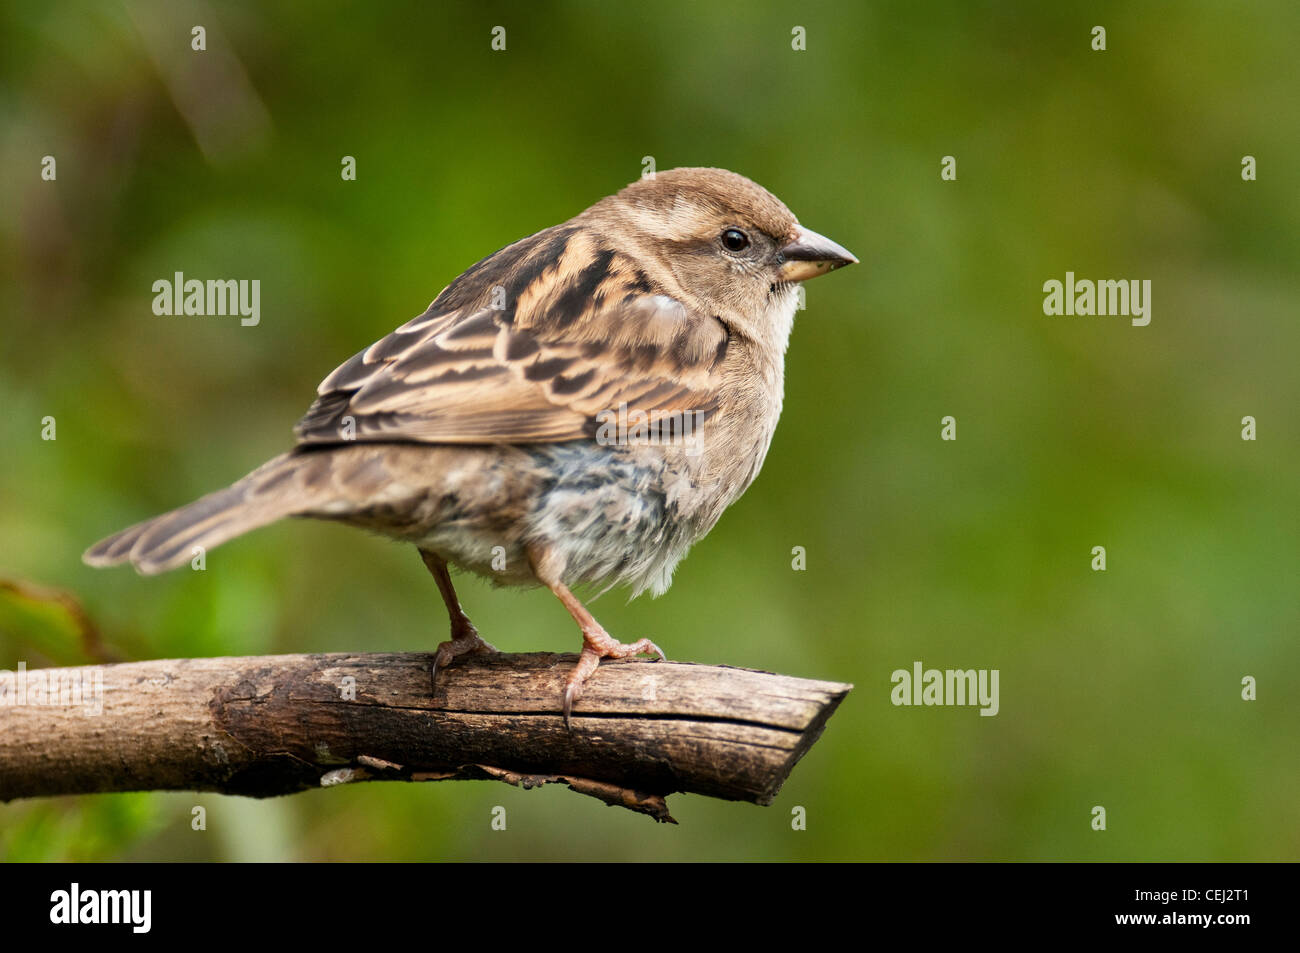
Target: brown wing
<point>528,346</point>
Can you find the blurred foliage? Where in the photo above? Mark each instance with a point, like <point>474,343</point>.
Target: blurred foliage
<point>1119,689</point>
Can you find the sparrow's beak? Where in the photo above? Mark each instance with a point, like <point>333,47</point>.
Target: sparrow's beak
<point>808,255</point>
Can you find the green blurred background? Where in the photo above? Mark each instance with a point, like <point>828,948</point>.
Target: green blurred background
<point>1119,689</point>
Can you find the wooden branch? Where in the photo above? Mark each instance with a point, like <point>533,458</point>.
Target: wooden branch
<point>270,725</point>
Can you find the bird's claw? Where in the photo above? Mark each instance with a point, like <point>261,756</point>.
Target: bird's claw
<point>464,641</point>
<point>597,646</point>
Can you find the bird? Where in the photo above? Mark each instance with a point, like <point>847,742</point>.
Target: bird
<point>576,409</point>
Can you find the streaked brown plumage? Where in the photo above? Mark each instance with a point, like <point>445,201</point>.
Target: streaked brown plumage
<point>481,429</point>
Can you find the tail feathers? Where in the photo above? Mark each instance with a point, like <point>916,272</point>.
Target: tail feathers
<point>274,490</point>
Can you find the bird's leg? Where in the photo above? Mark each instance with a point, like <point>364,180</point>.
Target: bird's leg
<point>464,637</point>
<point>596,645</point>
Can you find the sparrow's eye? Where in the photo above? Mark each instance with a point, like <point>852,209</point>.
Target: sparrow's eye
<point>733,239</point>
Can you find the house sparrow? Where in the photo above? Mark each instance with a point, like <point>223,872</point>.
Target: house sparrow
<point>579,407</point>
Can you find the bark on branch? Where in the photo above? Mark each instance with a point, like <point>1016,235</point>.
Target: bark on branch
<point>269,725</point>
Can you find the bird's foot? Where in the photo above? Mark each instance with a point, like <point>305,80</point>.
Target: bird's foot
<point>464,640</point>
<point>596,645</point>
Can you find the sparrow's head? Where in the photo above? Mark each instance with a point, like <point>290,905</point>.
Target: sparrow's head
<point>732,247</point>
